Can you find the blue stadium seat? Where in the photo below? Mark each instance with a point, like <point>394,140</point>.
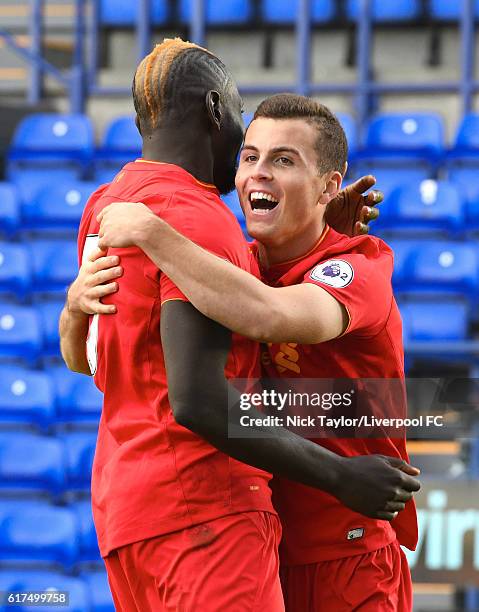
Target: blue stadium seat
<point>79,598</point>
<point>49,313</point>
<point>465,179</point>
<point>285,11</point>
<point>15,270</point>
<point>20,333</point>
<point>33,462</point>
<point>233,203</point>
<point>443,268</point>
<point>350,129</point>
<point>80,450</point>
<point>38,532</point>
<point>100,591</point>
<point>402,250</point>
<point>233,12</point>
<point>467,137</point>
<point>125,12</point>
<point>403,136</point>
<point>9,208</point>
<point>447,10</point>
<point>78,399</point>
<point>122,136</point>
<point>30,181</point>
<point>386,10</point>
<point>389,179</point>
<point>57,206</point>
<point>52,136</point>
<point>55,264</point>
<point>426,208</point>
<point>26,397</point>
<point>426,321</point>
<point>121,144</point>
<point>89,551</point>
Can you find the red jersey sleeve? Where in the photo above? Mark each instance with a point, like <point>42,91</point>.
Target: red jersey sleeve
<point>86,220</point>
<point>203,218</point>
<point>361,282</point>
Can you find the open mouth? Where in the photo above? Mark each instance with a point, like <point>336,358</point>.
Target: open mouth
<point>262,203</point>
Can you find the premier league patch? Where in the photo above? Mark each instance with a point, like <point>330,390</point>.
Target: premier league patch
<point>334,272</point>
<point>354,534</point>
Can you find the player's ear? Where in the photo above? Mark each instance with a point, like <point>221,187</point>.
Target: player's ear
<point>213,108</point>
<point>331,188</point>
<point>137,123</point>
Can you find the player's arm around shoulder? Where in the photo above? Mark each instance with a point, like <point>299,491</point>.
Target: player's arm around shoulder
<point>303,313</point>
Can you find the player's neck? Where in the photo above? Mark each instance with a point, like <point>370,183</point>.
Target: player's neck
<point>170,147</point>
<point>293,247</point>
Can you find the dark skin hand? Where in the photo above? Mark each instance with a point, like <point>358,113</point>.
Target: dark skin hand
<point>351,211</point>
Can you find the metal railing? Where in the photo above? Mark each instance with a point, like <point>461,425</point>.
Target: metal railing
<point>81,81</point>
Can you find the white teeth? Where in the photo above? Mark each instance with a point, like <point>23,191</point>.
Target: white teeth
<point>260,195</point>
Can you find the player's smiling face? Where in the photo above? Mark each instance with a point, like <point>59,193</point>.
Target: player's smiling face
<point>280,189</point>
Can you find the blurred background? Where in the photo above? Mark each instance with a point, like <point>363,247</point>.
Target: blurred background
<point>401,76</point>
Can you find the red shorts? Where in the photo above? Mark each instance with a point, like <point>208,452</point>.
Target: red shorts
<point>229,564</point>
<point>379,581</point>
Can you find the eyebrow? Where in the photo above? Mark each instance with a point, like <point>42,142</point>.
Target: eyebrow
<point>281,149</point>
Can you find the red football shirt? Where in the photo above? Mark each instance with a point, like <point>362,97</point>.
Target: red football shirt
<point>357,272</point>
<point>150,475</point>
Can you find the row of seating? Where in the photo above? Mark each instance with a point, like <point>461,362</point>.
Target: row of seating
<point>43,398</point>
<point>40,532</point>
<point>278,12</point>
<point>63,145</point>
<point>422,207</point>
<point>87,591</point>
<point>45,464</point>
<point>37,266</point>
<point>417,134</point>
<point>49,265</point>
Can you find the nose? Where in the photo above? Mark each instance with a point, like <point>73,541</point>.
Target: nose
<point>261,171</point>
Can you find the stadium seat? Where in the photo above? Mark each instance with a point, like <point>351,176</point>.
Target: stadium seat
<point>234,12</point>
<point>247,119</point>
<point>99,590</point>
<point>30,181</point>
<point>21,581</point>
<point>284,12</point>
<point>350,129</point>
<point>121,144</point>
<point>57,206</point>
<point>397,137</point>
<point>89,551</point>
<point>15,270</point>
<point>388,179</point>
<point>446,321</point>
<point>444,268</point>
<point>52,136</point>
<point>425,208</point>
<point>445,10</point>
<point>34,531</point>
<point>9,208</point>
<point>402,250</point>
<point>386,10</point>
<point>467,138</point>
<point>80,450</point>
<point>465,179</point>
<point>49,313</point>
<point>122,136</point>
<point>20,333</point>
<point>78,399</point>
<point>32,462</point>
<point>26,397</point>
<point>55,265</point>
<point>118,13</point>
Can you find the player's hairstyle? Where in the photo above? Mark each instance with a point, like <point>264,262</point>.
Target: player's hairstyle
<point>172,78</point>
<point>331,144</point>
